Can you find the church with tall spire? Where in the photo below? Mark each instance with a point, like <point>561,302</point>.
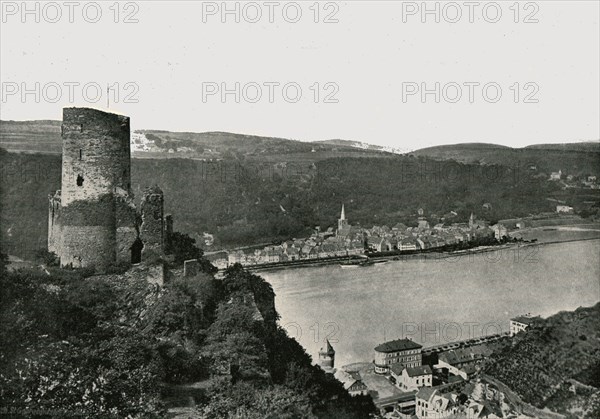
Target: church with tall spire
<point>343,227</point>
<point>342,222</point>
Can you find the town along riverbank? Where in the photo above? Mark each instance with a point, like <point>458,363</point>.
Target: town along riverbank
<point>527,240</point>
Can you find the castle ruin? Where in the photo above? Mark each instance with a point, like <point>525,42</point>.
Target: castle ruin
<point>93,220</point>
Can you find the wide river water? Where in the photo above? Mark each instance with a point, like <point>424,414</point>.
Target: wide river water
<point>432,301</point>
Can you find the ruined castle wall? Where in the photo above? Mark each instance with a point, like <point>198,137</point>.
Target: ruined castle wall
<point>152,228</point>
<point>89,232</point>
<point>93,219</point>
<point>85,246</point>
<point>126,227</point>
<point>54,224</point>
<point>168,232</point>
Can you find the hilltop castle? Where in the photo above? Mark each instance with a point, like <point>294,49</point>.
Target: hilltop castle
<point>93,220</point>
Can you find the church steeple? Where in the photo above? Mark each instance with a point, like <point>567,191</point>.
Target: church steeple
<point>342,222</point>
<point>471,220</point>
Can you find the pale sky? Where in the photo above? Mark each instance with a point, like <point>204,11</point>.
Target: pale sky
<point>177,51</point>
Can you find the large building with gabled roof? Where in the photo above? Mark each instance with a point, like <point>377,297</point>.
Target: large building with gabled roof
<point>400,351</point>
<point>521,323</point>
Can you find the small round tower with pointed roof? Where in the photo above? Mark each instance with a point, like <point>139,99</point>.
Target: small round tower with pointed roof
<point>327,357</point>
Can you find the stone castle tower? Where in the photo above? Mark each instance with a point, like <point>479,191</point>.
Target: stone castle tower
<point>327,357</point>
<point>93,219</point>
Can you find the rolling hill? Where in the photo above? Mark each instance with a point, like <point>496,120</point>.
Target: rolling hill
<point>31,136</point>
<point>578,159</point>
<point>44,137</point>
<point>364,146</point>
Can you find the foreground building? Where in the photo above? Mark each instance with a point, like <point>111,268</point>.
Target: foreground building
<point>352,382</point>
<point>403,352</point>
<point>430,403</point>
<point>412,378</point>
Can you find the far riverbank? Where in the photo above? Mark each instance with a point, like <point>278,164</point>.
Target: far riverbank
<point>542,236</point>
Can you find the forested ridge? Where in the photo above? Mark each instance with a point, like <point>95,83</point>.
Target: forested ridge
<point>243,203</point>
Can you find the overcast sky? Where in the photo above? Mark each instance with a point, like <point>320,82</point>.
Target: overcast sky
<point>364,63</point>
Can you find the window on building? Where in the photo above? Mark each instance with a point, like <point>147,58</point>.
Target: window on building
<point>79,180</point>
<point>80,154</point>
<point>136,251</point>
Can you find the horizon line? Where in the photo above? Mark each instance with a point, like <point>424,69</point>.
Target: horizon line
<point>529,144</point>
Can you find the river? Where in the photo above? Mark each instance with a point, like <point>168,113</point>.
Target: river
<point>432,301</point>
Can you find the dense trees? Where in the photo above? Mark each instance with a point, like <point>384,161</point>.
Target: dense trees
<point>65,347</point>
<point>74,343</point>
<point>182,247</point>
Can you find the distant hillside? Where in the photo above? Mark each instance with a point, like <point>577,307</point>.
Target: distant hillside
<point>587,146</point>
<point>555,364</point>
<point>44,137</point>
<point>578,159</point>
<point>364,146</point>
<point>31,136</point>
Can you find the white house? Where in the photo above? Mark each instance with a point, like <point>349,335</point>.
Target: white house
<point>352,382</point>
<point>556,175</point>
<point>564,209</point>
<point>412,378</point>
<point>431,403</point>
<point>500,231</point>
<point>521,323</point>
<point>407,244</point>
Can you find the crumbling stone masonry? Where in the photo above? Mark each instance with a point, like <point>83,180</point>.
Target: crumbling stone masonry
<point>93,220</point>
<point>153,226</point>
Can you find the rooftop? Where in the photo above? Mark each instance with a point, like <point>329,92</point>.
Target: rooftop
<point>425,393</point>
<point>328,349</point>
<point>412,372</point>
<point>397,345</point>
<point>417,371</point>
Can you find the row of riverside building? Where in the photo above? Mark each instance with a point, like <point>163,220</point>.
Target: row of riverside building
<point>349,240</point>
